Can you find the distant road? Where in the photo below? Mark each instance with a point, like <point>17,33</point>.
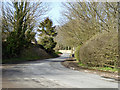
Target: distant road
<point>65,51</point>
<point>49,73</point>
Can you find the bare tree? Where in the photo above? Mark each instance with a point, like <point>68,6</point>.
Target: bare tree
<point>31,13</point>
<point>85,19</point>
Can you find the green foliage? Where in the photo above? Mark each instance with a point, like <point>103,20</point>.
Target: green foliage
<point>20,34</point>
<point>48,43</point>
<point>13,45</point>
<point>105,69</point>
<point>100,68</point>
<point>53,54</point>
<point>46,28</point>
<point>81,64</point>
<point>18,25</point>
<point>58,52</point>
<point>77,53</point>
<point>47,33</point>
<point>29,35</point>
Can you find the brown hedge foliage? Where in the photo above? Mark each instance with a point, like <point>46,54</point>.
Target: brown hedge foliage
<point>101,50</point>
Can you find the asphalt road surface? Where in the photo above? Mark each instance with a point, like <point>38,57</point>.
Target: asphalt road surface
<point>49,73</point>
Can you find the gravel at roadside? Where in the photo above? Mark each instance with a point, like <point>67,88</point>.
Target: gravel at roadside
<point>72,64</point>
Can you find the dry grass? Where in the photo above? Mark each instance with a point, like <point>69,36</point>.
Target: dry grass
<point>35,52</point>
<point>29,54</point>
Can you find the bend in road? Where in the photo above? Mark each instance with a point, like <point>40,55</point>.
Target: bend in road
<point>50,73</point>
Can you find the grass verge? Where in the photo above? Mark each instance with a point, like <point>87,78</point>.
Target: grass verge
<point>20,60</point>
<point>109,69</point>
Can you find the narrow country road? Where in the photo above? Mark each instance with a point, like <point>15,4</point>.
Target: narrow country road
<point>49,73</point>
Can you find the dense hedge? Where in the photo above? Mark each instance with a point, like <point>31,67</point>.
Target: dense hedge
<point>77,51</point>
<point>100,51</point>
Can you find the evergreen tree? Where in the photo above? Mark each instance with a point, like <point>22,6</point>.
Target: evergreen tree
<point>47,33</point>
<point>20,33</point>
<point>46,28</point>
<point>48,43</point>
